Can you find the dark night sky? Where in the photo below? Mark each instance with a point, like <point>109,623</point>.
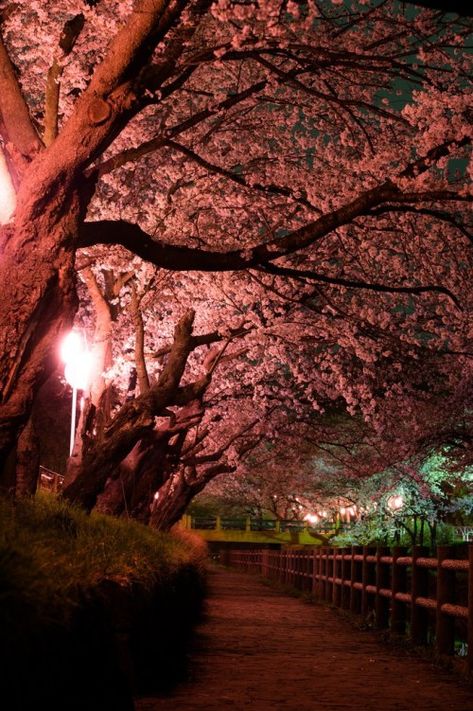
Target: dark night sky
<point>461,7</point>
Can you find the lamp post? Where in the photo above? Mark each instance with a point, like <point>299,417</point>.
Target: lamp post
<point>78,365</point>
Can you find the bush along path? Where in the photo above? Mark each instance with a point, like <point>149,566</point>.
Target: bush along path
<point>263,650</point>
<point>92,609</point>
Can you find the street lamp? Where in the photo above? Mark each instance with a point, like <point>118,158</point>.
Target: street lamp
<point>77,370</point>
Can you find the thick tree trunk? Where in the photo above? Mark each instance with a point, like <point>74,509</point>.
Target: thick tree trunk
<point>132,487</point>
<point>37,304</point>
<point>173,499</point>
<point>27,462</point>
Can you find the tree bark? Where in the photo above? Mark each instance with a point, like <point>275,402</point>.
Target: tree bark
<point>27,462</point>
<point>178,491</point>
<point>174,497</point>
<point>37,304</point>
<point>132,487</point>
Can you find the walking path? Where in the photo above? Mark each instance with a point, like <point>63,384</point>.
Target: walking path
<point>259,649</point>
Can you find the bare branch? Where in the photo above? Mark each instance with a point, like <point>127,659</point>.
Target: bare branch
<point>218,453</point>
<point>206,339</point>
<point>430,212</point>
<point>330,98</point>
<point>71,31</point>
<point>134,154</point>
<point>16,124</point>
<point>175,258</point>
<point>359,284</point>
<point>140,363</point>
<point>239,179</point>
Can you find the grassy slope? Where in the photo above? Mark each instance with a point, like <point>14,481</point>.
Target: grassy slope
<point>51,554</point>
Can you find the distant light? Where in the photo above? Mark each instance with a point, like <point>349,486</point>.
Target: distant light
<point>156,495</point>
<point>311,518</point>
<point>395,502</point>
<point>342,510</point>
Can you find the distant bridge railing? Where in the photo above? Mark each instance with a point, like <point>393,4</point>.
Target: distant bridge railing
<point>465,533</point>
<point>219,523</point>
<point>428,599</point>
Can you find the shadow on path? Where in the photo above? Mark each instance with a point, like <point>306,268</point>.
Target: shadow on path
<point>260,649</point>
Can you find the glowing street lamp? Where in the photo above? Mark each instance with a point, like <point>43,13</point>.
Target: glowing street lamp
<point>77,371</point>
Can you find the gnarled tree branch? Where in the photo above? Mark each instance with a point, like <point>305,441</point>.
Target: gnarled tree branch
<point>16,125</point>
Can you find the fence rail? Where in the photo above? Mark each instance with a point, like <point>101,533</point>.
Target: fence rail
<point>428,599</point>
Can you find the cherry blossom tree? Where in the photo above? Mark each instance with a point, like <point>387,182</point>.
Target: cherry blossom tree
<point>298,170</point>
<point>189,443</point>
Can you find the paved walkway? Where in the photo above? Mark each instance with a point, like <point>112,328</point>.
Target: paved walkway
<point>262,650</point>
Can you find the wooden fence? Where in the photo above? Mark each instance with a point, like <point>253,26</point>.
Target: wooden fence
<point>428,599</point>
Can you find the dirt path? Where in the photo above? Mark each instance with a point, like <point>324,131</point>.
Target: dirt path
<point>262,650</point>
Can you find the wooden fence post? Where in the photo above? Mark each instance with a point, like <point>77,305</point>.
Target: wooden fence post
<point>307,581</point>
<point>345,576</point>
<point>316,573</point>
<point>327,586</point>
<point>299,578</point>
<point>265,563</point>
<point>337,574</point>
<point>321,573</point>
<point>398,608</point>
<point>445,624</point>
<point>355,597</point>
<point>419,588</point>
<point>366,579</point>
<point>382,582</point>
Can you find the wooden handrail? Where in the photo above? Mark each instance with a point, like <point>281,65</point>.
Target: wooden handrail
<point>389,586</point>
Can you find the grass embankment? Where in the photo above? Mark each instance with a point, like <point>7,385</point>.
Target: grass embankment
<point>90,596</point>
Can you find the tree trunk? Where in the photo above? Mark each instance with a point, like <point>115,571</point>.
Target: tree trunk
<point>27,462</point>
<point>37,304</point>
<point>173,499</point>
<point>131,489</point>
